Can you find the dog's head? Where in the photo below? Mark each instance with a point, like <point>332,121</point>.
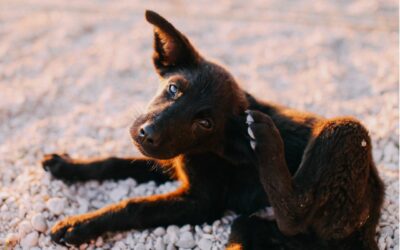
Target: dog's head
<point>195,99</point>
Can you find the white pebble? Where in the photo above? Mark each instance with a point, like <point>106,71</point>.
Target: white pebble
<point>30,240</point>
<point>205,244</point>
<point>173,233</point>
<point>159,231</point>
<point>99,242</point>
<point>149,245</point>
<point>186,240</point>
<point>83,246</point>
<point>56,205</point>
<point>208,236</point>
<point>12,239</point>
<point>207,229</point>
<point>83,205</point>
<point>198,230</point>
<point>38,207</point>
<point>119,245</point>
<point>24,228</point>
<point>39,223</point>
<point>159,244</point>
<point>118,193</point>
<point>185,228</point>
<point>171,247</point>
<point>173,229</point>
<point>140,246</point>
<point>215,225</point>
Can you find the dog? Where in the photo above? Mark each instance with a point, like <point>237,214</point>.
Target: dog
<point>231,151</point>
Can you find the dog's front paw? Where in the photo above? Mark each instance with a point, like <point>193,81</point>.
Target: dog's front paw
<point>72,231</point>
<point>265,138</point>
<point>56,164</point>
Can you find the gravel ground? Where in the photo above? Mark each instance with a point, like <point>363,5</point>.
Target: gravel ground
<point>74,73</point>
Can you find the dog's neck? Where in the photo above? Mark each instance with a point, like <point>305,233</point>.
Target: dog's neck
<point>236,144</point>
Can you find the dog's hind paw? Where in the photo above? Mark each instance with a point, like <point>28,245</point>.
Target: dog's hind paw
<point>263,135</point>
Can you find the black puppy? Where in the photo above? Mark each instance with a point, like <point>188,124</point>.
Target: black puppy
<point>231,151</point>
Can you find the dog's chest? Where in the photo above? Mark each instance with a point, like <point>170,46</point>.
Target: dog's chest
<point>246,194</point>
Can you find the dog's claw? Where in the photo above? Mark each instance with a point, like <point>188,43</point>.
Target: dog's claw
<point>266,213</point>
<point>249,119</point>
<point>253,145</point>
<point>251,134</point>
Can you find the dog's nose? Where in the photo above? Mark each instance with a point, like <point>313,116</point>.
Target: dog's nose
<point>149,135</point>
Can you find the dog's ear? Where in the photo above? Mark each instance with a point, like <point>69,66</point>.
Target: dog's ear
<point>171,48</point>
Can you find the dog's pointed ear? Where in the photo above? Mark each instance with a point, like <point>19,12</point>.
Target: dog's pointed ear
<point>171,48</point>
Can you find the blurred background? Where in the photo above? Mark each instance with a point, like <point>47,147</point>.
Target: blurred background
<point>73,74</point>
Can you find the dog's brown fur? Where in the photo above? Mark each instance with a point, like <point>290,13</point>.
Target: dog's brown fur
<point>317,174</point>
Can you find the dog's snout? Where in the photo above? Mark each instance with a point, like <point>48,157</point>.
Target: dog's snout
<point>148,135</point>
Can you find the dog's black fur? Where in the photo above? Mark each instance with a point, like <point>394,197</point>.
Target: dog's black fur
<point>317,174</point>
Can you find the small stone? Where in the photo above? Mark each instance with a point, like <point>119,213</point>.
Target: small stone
<point>24,228</point>
<point>12,239</point>
<point>215,225</point>
<point>119,245</point>
<point>30,240</point>
<point>198,230</point>
<point>56,205</point>
<point>140,246</point>
<point>99,242</point>
<point>83,205</point>
<point>159,231</point>
<point>185,228</point>
<point>38,207</point>
<point>173,233</point>
<point>186,240</point>
<point>149,245</point>
<point>207,229</point>
<point>386,231</point>
<point>159,244</point>
<point>118,193</point>
<point>39,223</point>
<point>171,247</point>
<point>4,208</point>
<point>118,237</point>
<point>208,236</point>
<point>83,246</point>
<point>172,229</point>
<point>204,244</point>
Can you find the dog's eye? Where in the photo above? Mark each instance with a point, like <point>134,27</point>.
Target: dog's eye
<point>172,89</point>
<point>205,123</point>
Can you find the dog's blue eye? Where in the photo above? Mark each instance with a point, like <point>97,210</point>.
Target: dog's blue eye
<point>173,89</point>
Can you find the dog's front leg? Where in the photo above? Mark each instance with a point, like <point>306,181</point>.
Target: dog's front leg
<point>160,210</point>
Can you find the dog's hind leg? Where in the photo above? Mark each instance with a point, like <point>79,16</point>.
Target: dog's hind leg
<point>142,170</point>
<point>336,193</point>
